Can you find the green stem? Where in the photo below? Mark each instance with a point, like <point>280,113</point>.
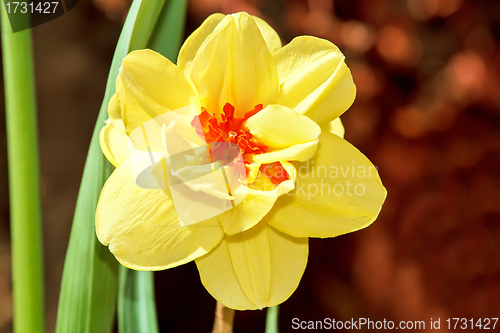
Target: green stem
<point>272,319</point>
<point>24,179</point>
<point>136,302</point>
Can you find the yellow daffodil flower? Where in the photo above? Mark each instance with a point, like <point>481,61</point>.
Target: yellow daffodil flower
<point>264,119</point>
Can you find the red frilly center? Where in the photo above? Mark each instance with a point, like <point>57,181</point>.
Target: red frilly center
<point>230,128</point>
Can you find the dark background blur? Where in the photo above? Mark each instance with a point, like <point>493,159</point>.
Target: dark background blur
<point>427,113</point>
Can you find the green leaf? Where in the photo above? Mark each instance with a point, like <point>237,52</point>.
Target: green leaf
<point>87,302</point>
<point>24,179</point>
<point>136,306</point>
<point>167,36</point>
<point>147,17</point>
<point>88,291</point>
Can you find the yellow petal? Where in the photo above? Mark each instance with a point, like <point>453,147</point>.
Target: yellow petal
<point>142,228</point>
<point>280,127</point>
<point>148,86</point>
<point>113,139</point>
<point>338,191</point>
<point>235,66</point>
<point>248,212</point>
<point>298,152</point>
<point>258,201</point>
<point>336,127</point>
<point>314,79</point>
<point>271,37</point>
<point>289,135</point>
<point>193,42</point>
<point>254,269</point>
<point>149,136</point>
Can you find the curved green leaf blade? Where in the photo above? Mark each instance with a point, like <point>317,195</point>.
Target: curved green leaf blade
<point>87,302</point>
<point>167,36</point>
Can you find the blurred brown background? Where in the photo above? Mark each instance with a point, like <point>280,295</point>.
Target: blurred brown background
<point>427,113</point>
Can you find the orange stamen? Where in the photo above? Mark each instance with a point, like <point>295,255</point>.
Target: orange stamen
<point>275,172</point>
<point>230,128</point>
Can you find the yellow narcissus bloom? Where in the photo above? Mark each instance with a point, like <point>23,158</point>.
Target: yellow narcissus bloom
<point>263,118</point>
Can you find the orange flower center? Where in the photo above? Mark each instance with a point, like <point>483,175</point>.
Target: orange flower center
<point>230,128</point>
